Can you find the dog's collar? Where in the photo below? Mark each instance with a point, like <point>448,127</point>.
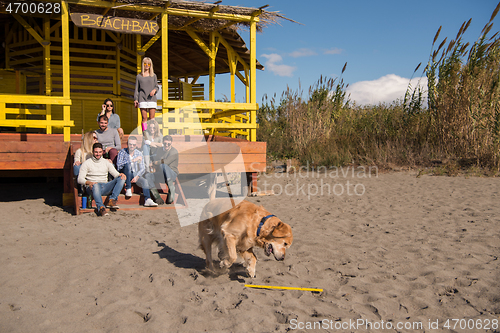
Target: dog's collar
<point>264,219</point>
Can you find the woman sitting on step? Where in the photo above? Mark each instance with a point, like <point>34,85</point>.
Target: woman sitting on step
<point>83,153</point>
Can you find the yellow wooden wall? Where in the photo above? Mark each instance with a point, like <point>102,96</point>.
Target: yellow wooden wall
<point>104,65</point>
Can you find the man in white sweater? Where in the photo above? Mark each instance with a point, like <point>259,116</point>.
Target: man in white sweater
<point>94,175</point>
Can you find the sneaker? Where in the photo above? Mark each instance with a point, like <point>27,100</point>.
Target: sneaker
<point>103,212</point>
<point>128,192</point>
<point>150,203</point>
<point>112,204</point>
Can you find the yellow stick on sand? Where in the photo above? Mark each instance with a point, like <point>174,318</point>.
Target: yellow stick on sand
<point>287,288</point>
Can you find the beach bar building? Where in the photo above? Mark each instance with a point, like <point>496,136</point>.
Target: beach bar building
<point>62,59</point>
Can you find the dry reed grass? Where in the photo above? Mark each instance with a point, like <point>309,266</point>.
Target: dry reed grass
<point>458,127</point>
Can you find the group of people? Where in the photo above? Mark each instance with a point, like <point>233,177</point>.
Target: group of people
<point>101,153</point>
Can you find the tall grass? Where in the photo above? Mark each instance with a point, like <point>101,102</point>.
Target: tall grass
<point>460,121</point>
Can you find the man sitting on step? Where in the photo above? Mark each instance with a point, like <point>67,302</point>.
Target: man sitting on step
<point>165,165</point>
<point>94,175</point>
<point>130,162</point>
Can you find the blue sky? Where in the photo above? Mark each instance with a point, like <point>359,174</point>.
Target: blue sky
<point>381,41</point>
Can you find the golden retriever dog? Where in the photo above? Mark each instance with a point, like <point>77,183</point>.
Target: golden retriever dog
<point>238,229</point>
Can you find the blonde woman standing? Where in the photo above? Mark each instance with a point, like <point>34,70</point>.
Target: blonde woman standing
<point>146,87</point>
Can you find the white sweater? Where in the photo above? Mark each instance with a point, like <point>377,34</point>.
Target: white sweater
<point>96,171</point>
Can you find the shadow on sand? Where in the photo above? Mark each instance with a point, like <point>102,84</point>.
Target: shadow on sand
<point>188,261</point>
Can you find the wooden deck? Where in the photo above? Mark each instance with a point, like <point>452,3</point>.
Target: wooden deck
<point>24,154</point>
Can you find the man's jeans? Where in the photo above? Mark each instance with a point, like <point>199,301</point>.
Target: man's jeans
<point>99,189</point>
<point>168,173</point>
<point>76,170</point>
<point>146,182</point>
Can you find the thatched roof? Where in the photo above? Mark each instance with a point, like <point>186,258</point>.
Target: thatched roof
<point>266,17</point>
<point>185,56</point>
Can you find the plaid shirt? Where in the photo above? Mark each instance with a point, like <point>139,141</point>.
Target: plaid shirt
<point>124,157</point>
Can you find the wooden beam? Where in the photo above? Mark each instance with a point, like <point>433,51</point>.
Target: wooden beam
<point>230,49</point>
<point>200,42</point>
<point>113,36</point>
<point>253,78</point>
<point>168,10</point>
<point>34,99</point>
<point>214,47</point>
<point>191,21</point>
<point>36,123</point>
<point>164,63</point>
<point>47,70</point>
<point>227,25</point>
<point>172,104</point>
<point>29,28</point>
<point>186,60</point>
<point>152,41</point>
<point>66,70</point>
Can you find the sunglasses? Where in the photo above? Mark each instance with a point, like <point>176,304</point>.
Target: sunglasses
<point>109,105</point>
<point>132,144</point>
<point>94,137</point>
<point>146,64</point>
<point>167,143</point>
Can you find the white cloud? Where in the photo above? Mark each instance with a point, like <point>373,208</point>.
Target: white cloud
<point>302,53</point>
<point>274,64</point>
<point>335,50</point>
<point>386,89</point>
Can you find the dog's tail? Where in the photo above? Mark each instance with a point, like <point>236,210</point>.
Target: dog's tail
<point>212,187</point>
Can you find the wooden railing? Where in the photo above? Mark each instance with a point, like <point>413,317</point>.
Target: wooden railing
<point>16,116</point>
<point>236,120</point>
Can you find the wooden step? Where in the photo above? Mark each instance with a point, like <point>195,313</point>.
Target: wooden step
<point>131,207</point>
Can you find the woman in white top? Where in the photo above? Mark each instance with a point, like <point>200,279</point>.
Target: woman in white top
<point>146,87</point>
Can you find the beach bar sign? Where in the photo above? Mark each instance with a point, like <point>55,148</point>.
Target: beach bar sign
<point>117,24</point>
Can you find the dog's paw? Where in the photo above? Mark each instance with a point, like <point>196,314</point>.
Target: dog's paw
<point>251,272</point>
<point>225,264</point>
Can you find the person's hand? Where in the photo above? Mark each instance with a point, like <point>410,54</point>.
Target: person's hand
<point>152,93</point>
<point>77,163</point>
<point>137,159</point>
<point>108,149</point>
<point>103,109</point>
<point>90,185</point>
<point>136,104</point>
<point>134,180</point>
<point>147,142</point>
<point>122,176</point>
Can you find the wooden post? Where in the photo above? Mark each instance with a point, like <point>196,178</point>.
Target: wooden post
<point>233,63</point>
<point>214,45</point>
<point>253,79</point>
<point>117,84</point>
<point>211,69</point>
<point>140,54</point>
<point>164,69</point>
<point>48,70</point>
<point>65,66</point>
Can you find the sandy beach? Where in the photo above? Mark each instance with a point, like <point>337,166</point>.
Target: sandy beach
<point>393,252</point>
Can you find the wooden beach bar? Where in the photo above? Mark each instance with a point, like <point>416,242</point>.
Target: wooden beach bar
<point>59,64</point>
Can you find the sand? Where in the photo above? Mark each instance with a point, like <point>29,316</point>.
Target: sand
<point>392,251</point>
